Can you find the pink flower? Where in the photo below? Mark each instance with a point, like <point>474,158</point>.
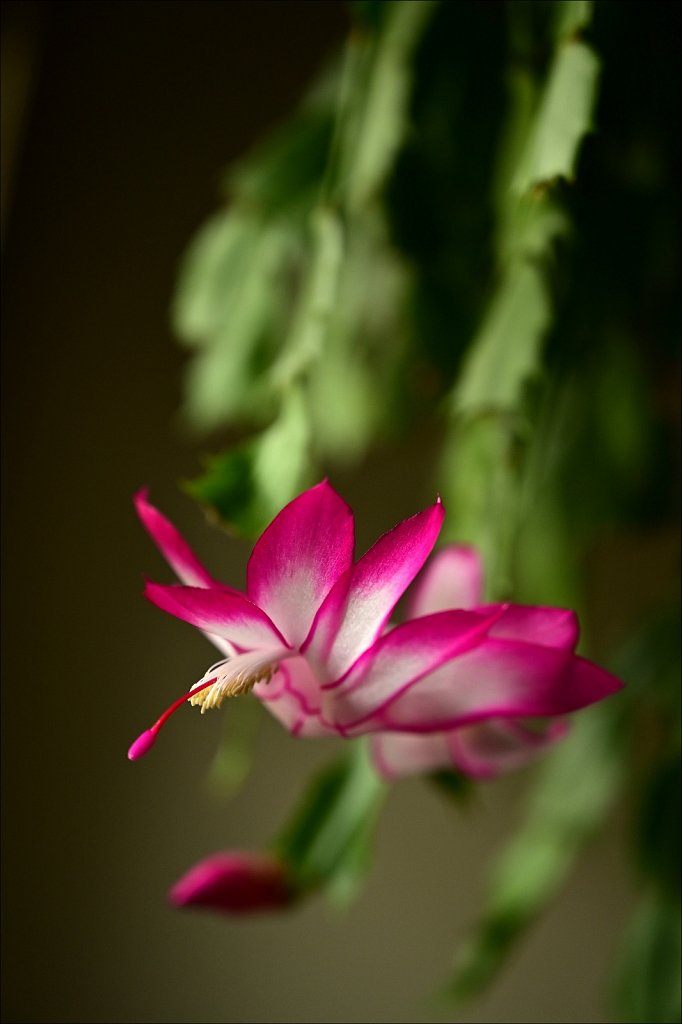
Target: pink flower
<point>526,663</point>
<point>236,883</point>
<point>311,636</point>
<point>311,626</point>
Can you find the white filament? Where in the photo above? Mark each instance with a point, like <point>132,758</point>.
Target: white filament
<point>235,676</point>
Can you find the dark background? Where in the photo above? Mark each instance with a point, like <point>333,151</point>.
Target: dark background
<point>118,119</point>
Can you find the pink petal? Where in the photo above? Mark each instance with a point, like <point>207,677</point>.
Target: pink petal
<point>398,660</point>
<point>482,751</point>
<point>228,615</point>
<point>360,603</point>
<point>299,557</point>
<point>497,746</point>
<point>550,627</point>
<point>236,883</point>
<point>293,696</point>
<point>396,754</point>
<point>498,679</point>
<point>453,578</point>
<point>172,546</point>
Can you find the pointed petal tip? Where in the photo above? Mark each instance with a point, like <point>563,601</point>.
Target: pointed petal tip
<point>438,511</point>
<point>150,588</point>
<point>321,485</point>
<point>613,684</point>
<point>142,505</point>
<point>170,542</point>
<point>589,683</point>
<point>325,486</point>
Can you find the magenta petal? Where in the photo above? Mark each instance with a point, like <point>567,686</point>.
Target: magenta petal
<point>453,578</point>
<point>584,683</point>
<point>360,603</point>
<point>398,660</point>
<point>551,627</point>
<point>498,679</point>
<point>235,883</point>
<point>172,546</point>
<point>227,614</point>
<point>299,557</point>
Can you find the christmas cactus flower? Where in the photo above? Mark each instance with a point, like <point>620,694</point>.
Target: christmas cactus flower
<point>485,697</point>
<point>311,617</point>
<point>311,635</point>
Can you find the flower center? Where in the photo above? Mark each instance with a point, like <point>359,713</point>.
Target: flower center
<point>232,677</point>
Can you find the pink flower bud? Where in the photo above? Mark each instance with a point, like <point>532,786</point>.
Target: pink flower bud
<point>235,882</point>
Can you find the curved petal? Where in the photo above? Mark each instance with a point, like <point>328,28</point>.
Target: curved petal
<point>482,751</point>
<point>492,748</point>
<point>171,544</point>
<point>293,696</point>
<point>228,615</point>
<point>396,754</point>
<point>497,679</point>
<point>452,579</point>
<point>299,557</point>
<point>398,660</point>
<point>360,603</point>
<point>550,627</point>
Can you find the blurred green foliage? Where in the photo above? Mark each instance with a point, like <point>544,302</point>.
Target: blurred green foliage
<point>328,840</point>
<point>472,221</point>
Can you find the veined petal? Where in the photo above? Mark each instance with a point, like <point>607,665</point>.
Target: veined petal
<point>453,578</point>
<point>299,557</point>
<point>293,696</point>
<point>361,601</point>
<point>398,660</point>
<point>550,627</point>
<point>228,615</point>
<point>497,679</point>
<point>172,545</point>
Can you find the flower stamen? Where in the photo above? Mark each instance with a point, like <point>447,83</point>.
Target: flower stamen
<point>229,684</point>
<point>230,677</point>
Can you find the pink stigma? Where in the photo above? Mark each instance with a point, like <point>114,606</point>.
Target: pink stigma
<point>142,744</point>
<point>146,740</point>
